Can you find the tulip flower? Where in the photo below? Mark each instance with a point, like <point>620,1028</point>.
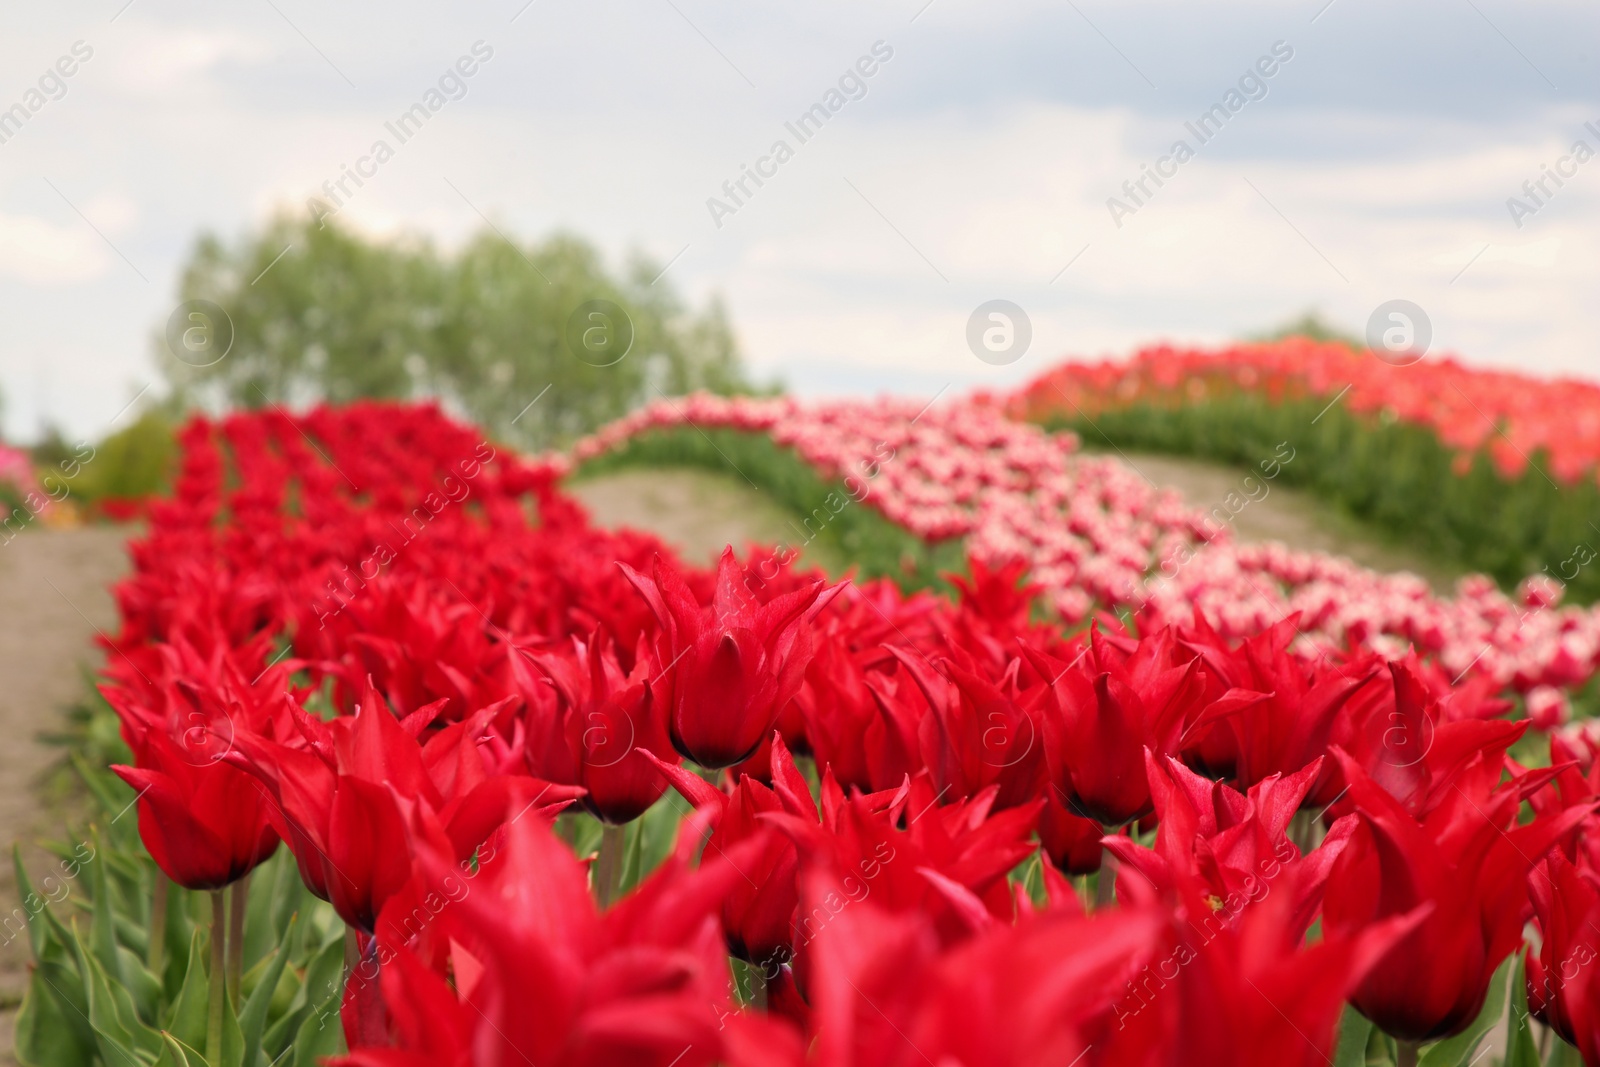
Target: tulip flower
<point>886,992</point>
<point>1467,862</point>
<point>1564,976</point>
<point>1287,728</point>
<point>343,797</point>
<point>908,853</point>
<point>1397,732</point>
<point>980,734</point>
<point>1071,842</point>
<point>538,974</point>
<point>1248,993</point>
<point>846,707</point>
<point>730,669</point>
<point>597,736</point>
<point>1106,710</point>
<point>206,825</point>
<point>758,912</point>
<point>1227,848</point>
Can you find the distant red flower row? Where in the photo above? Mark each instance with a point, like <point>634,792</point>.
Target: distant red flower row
<point>1508,415</point>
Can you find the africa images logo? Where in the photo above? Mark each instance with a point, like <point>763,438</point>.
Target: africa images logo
<point>852,85</point>
<point>1252,85</point>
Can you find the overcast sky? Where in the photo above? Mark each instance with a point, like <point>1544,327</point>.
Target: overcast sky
<point>1374,163</point>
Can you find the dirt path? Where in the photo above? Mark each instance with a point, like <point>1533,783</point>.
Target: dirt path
<point>1295,517</point>
<point>697,512</point>
<point>55,590</point>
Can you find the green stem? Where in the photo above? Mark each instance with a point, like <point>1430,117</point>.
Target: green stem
<point>757,973</point>
<point>1106,881</point>
<point>1303,831</point>
<point>156,957</point>
<point>239,899</point>
<point>608,868</point>
<point>1405,1053</point>
<point>219,989</point>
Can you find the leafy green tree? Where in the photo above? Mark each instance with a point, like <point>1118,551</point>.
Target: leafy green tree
<point>1310,324</point>
<point>322,312</point>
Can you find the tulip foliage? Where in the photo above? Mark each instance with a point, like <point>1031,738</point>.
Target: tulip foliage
<point>459,778</point>
<point>1508,463</point>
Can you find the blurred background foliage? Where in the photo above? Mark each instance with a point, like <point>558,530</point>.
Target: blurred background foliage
<point>322,312</point>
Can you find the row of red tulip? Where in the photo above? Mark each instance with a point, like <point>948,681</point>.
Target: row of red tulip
<point>483,667</point>
<point>1096,535</point>
<point>1508,415</point>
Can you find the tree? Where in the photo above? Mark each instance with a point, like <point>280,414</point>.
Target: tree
<point>1312,325</point>
<point>339,316</point>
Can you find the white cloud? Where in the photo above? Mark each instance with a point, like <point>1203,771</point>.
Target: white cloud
<point>39,252</point>
<point>167,60</point>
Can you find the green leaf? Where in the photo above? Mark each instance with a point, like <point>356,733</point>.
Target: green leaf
<point>1458,1051</point>
<point>632,854</point>
<point>253,1019</point>
<point>52,1030</point>
<point>1354,1029</point>
<point>175,1053</point>
<point>582,831</point>
<point>321,1034</point>
<point>120,1034</point>
<point>103,928</point>
<point>43,927</point>
<point>1563,1055</point>
<point>232,1037</point>
<point>1520,1049</point>
<point>652,836</point>
<point>110,792</point>
<point>276,1040</point>
<point>187,1021</point>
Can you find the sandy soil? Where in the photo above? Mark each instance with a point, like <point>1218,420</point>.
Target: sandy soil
<point>1293,516</point>
<point>54,595</point>
<point>697,512</point>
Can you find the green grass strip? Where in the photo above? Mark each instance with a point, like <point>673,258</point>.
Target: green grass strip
<point>855,533</point>
<point>1396,475</point>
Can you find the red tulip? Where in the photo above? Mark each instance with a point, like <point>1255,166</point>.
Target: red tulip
<point>849,724</point>
<point>758,911</point>
<point>1398,734</point>
<point>1564,976</point>
<point>344,798</point>
<point>730,669</point>
<point>1289,726</point>
<point>1247,994</point>
<point>886,994</point>
<point>1070,841</point>
<point>909,854</point>
<point>979,734</point>
<point>1107,708</point>
<point>205,823</point>
<point>1467,861</point>
<point>539,974</point>
<point>1228,849</point>
<point>600,730</point>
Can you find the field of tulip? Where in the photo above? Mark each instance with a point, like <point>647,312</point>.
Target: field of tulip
<point>1095,536</point>
<point>425,769</point>
<point>1497,470</point>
